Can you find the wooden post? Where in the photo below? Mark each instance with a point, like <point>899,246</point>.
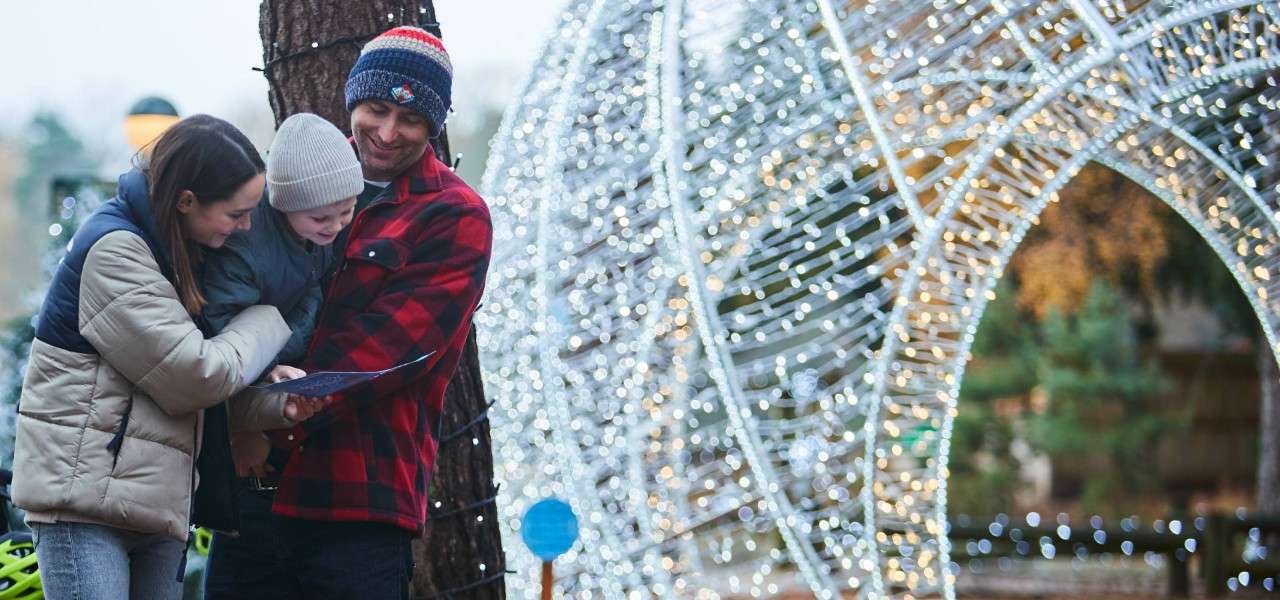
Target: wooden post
<point>1179,558</point>
<point>1179,574</point>
<point>1213,555</point>
<point>548,579</point>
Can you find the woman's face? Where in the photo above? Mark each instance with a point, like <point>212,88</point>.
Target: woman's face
<point>211,223</point>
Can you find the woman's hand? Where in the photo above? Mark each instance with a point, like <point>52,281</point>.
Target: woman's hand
<point>300,408</point>
<point>249,450</point>
<point>284,373</point>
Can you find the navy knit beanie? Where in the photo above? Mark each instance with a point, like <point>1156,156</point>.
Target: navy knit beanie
<point>405,66</point>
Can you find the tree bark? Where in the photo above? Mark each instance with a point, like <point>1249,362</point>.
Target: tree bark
<point>308,49</point>
<point>1269,415</point>
<point>1268,432</point>
<point>461,548</point>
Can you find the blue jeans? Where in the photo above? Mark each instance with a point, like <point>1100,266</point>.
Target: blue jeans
<point>81,561</point>
<point>282,558</point>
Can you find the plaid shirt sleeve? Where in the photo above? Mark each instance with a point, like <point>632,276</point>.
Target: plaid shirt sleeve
<point>421,308</point>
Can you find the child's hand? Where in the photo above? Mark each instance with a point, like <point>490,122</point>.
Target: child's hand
<point>284,373</point>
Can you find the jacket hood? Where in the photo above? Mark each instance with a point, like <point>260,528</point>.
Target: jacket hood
<point>134,193</point>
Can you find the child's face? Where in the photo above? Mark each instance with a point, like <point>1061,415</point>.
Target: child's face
<point>321,225</point>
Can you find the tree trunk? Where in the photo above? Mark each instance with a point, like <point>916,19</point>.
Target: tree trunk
<point>308,49</point>
<point>1268,432</point>
<point>460,553</point>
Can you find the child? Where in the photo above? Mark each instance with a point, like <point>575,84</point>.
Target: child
<point>313,178</point>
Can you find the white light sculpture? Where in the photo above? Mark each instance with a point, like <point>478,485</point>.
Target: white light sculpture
<point>743,247</point>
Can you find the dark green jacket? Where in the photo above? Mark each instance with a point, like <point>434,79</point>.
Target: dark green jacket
<point>269,264</point>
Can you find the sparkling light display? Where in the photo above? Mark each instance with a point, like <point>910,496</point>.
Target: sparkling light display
<point>743,247</point>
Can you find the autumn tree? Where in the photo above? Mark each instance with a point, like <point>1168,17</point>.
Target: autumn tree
<point>1105,235</point>
<point>1094,231</point>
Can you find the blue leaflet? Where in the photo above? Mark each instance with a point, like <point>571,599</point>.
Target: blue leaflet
<point>324,383</point>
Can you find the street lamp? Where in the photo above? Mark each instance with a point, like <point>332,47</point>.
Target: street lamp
<point>147,119</point>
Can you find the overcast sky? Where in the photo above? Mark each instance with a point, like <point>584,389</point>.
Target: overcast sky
<point>90,60</point>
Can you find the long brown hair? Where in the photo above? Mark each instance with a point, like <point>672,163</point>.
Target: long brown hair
<point>211,159</point>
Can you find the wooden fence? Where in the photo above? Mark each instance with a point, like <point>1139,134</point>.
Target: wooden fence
<point>1227,551</point>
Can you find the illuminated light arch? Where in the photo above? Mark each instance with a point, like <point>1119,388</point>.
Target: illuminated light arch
<point>740,260</point>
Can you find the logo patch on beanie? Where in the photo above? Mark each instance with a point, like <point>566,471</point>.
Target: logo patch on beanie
<point>402,94</point>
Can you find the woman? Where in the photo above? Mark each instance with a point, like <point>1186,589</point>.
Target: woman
<point>120,371</point>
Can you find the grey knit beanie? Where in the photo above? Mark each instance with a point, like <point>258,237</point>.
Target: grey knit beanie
<point>310,165</point>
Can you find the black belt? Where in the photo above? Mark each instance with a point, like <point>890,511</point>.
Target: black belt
<point>261,484</point>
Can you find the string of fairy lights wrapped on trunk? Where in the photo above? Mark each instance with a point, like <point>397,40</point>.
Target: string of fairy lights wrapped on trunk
<point>743,248</point>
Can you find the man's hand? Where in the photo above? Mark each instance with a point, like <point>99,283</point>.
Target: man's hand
<point>297,408</point>
<point>249,451</point>
<point>300,408</point>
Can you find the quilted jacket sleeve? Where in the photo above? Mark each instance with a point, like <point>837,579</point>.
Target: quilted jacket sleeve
<point>255,410</point>
<point>133,316</point>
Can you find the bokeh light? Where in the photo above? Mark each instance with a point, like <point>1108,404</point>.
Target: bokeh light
<point>743,248</point>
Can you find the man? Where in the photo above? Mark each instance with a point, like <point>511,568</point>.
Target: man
<point>351,491</point>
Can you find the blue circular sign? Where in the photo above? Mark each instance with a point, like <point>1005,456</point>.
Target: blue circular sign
<point>549,528</point>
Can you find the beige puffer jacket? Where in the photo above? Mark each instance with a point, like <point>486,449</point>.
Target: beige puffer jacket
<point>150,350</point>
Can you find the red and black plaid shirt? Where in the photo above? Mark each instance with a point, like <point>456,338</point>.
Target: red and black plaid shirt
<point>407,284</point>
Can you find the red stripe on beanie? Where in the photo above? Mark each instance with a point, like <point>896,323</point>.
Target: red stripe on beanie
<point>416,34</point>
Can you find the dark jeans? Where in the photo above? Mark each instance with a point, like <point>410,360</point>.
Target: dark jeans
<point>282,558</point>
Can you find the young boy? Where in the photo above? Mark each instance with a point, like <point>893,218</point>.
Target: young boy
<point>313,178</point>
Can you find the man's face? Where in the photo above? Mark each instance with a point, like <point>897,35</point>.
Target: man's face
<point>389,137</point>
